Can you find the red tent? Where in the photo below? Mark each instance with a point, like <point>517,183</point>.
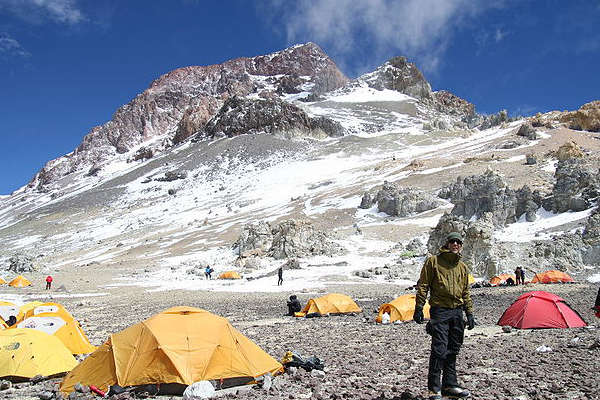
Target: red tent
<point>541,309</point>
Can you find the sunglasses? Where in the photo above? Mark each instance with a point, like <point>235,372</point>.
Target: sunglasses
<point>455,241</point>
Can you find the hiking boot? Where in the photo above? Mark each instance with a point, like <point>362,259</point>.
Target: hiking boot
<point>455,392</point>
<point>435,396</point>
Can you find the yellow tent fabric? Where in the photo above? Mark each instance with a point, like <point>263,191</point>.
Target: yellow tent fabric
<point>7,309</point>
<point>3,324</point>
<point>2,281</point>
<point>25,353</point>
<point>20,281</point>
<point>333,303</point>
<point>180,345</point>
<point>401,308</point>
<point>230,275</point>
<point>64,327</point>
<point>25,308</point>
<point>471,279</point>
<point>42,308</point>
<point>498,279</point>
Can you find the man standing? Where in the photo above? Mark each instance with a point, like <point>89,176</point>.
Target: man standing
<point>518,275</point>
<point>446,278</point>
<point>280,276</point>
<point>48,282</point>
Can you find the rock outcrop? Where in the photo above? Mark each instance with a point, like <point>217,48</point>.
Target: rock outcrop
<point>399,201</point>
<point>476,195</point>
<point>20,263</point>
<point>448,103</point>
<point>243,116</point>
<point>288,239</point>
<point>478,250</point>
<point>400,75</point>
<point>587,118</point>
<point>577,186</point>
<point>527,130</point>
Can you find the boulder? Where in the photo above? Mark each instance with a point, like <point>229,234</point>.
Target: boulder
<point>288,239</point>
<point>293,238</point>
<point>587,118</point>
<point>478,250</point>
<point>526,130</point>
<point>399,201</point>
<point>20,263</point>
<point>478,194</point>
<point>569,150</point>
<point>577,186</point>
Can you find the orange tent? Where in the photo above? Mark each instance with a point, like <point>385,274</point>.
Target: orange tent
<point>230,275</point>
<point>498,279</point>
<point>20,281</point>
<point>401,309</point>
<point>180,345</point>
<point>552,276</point>
<point>332,303</point>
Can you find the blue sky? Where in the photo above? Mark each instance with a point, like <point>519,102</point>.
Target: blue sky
<point>67,65</point>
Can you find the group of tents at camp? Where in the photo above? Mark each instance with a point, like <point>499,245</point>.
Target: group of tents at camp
<point>183,345</point>
<point>19,281</point>
<point>550,276</point>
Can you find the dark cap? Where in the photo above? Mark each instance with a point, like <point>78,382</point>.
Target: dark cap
<point>454,235</point>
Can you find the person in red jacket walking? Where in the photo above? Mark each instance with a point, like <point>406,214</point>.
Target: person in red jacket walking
<point>48,282</point>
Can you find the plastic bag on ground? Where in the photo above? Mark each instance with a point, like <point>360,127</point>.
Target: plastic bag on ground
<point>199,390</point>
<point>385,318</point>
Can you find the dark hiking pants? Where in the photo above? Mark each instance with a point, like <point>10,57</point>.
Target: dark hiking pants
<point>447,329</point>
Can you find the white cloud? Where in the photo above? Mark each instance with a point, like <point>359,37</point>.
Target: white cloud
<point>9,47</point>
<point>499,35</point>
<point>38,11</point>
<point>419,29</point>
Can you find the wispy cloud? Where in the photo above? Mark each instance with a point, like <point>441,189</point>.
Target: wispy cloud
<point>499,35</point>
<point>40,11</point>
<point>419,29</point>
<point>10,48</point>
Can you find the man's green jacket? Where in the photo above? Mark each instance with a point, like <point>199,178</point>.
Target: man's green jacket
<point>446,277</point>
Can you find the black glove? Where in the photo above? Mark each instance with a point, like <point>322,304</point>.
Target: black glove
<point>418,315</point>
<point>470,321</point>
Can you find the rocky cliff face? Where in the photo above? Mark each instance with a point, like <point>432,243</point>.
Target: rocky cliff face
<point>179,104</point>
<point>400,75</point>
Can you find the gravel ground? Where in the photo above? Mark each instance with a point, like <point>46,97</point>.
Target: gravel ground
<point>364,360</point>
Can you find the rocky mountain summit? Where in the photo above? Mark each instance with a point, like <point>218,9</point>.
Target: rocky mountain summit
<point>181,102</point>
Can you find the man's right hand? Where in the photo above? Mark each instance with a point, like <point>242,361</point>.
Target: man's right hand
<point>418,315</point>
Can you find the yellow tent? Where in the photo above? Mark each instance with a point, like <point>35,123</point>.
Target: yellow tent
<point>7,309</point>
<point>25,353</point>
<point>64,327</point>
<point>471,279</point>
<point>401,309</point>
<point>333,303</point>
<point>2,281</point>
<point>25,308</point>
<point>43,308</point>
<point>180,345</point>
<point>20,281</point>
<point>3,324</point>
<point>230,275</point>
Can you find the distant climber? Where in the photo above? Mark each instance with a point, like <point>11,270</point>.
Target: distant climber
<point>597,304</point>
<point>280,276</point>
<point>518,275</point>
<point>48,282</point>
<point>293,305</point>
